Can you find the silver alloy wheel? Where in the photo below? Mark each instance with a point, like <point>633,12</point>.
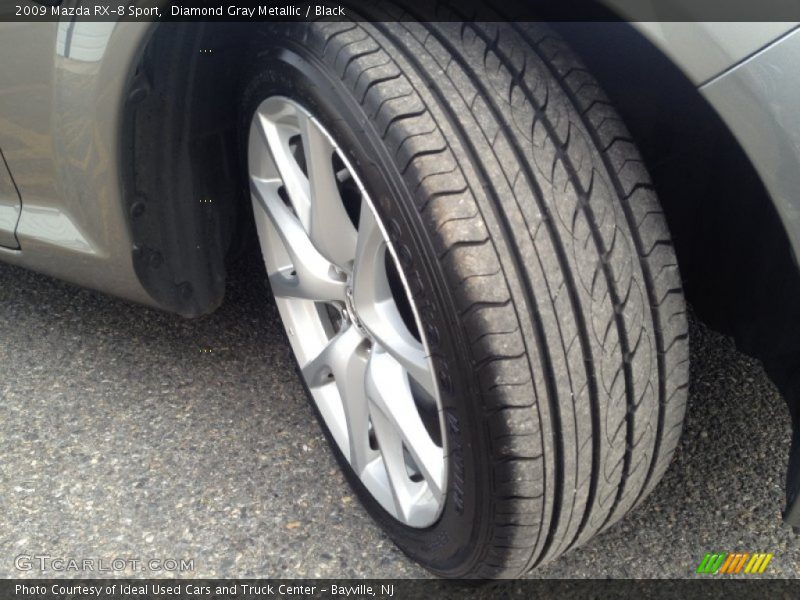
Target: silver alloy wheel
<point>347,310</point>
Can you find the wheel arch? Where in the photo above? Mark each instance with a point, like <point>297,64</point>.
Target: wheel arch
<point>733,249</point>
<point>193,71</point>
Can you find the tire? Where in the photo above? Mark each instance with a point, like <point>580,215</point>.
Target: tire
<point>538,258</point>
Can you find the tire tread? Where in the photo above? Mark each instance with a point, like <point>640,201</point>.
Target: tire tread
<point>552,240</point>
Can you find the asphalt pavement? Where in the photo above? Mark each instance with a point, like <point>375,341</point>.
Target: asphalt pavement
<point>128,432</point>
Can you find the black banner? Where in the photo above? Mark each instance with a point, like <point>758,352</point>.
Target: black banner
<point>479,10</point>
<point>310,589</point>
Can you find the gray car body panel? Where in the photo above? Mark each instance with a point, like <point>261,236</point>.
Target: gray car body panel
<point>701,48</point>
<point>759,99</point>
<point>60,111</point>
<point>10,206</point>
<point>61,102</point>
<point>704,50</point>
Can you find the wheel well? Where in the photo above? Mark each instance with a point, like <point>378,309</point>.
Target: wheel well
<point>736,262</point>
<point>182,181</point>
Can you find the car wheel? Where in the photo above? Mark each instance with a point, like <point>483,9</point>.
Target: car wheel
<point>476,280</point>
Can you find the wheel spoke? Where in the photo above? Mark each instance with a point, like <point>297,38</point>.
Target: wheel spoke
<point>397,417</point>
<point>391,446</point>
<point>276,136</point>
<point>377,308</point>
<point>395,339</point>
<point>345,359</point>
<point>314,278</point>
<point>372,295</point>
<point>369,272</point>
<point>331,230</point>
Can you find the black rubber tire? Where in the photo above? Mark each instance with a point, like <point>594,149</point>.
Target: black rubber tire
<point>540,261</point>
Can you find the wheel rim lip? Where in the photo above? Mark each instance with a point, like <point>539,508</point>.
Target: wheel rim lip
<point>306,329</point>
